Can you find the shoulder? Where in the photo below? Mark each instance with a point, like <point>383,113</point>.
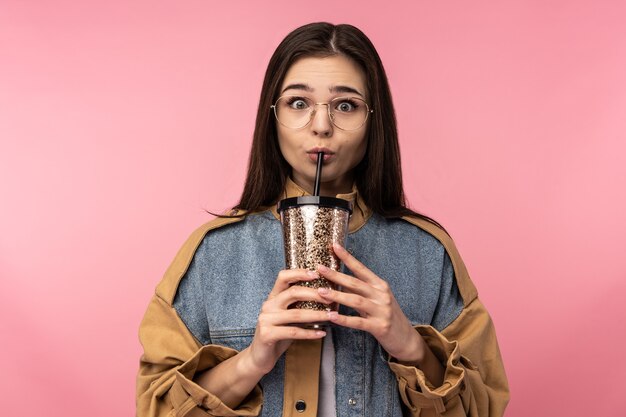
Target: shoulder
<point>167,287</point>
<point>424,226</point>
<point>466,286</point>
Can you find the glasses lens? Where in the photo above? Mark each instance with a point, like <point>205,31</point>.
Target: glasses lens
<point>348,113</point>
<point>293,111</point>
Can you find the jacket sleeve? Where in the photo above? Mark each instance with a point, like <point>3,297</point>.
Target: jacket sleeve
<point>172,356</point>
<point>475,383</point>
<point>171,359</point>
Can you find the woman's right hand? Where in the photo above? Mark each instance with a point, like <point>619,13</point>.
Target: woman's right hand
<point>233,379</point>
<point>275,330</point>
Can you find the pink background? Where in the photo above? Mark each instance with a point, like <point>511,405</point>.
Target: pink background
<point>121,121</point>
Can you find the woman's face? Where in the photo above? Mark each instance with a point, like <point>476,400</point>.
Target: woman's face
<point>320,80</point>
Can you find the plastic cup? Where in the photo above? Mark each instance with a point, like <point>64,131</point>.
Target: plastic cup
<point>311,225</point>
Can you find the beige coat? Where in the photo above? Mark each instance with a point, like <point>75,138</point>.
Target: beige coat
<point>475,382</point>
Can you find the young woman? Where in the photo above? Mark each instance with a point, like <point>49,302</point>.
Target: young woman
<point>411,336</point>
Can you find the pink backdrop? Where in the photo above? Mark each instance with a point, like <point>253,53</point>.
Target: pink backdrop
<point>120,122</point>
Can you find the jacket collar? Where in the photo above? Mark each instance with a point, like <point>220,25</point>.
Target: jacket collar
<point>360,212</point>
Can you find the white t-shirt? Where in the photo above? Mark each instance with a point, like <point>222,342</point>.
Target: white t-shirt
<point>326,402</point>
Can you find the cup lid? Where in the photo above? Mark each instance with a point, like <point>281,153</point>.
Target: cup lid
<point>310,200</point>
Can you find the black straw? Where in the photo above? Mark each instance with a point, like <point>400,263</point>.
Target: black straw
<point>318,174</point>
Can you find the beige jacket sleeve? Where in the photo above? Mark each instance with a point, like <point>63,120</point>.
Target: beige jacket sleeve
<point>172,356</point>
<point>475,382</point>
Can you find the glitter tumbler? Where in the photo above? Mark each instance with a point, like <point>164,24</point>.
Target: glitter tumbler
<point>311,225</point>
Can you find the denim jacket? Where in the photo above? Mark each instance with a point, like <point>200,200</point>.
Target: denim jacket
<point>206,307</point>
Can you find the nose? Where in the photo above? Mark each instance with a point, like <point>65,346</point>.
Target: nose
<point>320,123</point>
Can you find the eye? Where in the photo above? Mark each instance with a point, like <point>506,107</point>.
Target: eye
<point>345,105</point>
<point>298,103</point>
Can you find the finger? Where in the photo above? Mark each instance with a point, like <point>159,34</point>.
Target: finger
<point>348,283</point>
<point>275,334</point>
<point>359,303</point>
<point>353,322</point>
<point>358,269</point>
<point>293,294</point>
<point>288,277</point>
<point>293,316</point>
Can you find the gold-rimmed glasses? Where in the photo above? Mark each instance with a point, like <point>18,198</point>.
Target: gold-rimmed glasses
<point>346,113</point>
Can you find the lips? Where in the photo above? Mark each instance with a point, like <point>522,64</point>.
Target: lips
<point>328,154</point>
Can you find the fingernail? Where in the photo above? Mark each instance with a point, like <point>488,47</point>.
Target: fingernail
<point>320,333</point>
<point>332,315</point>
<point>312,274</point>
<point>338,246</point>
<point>323,290</point>
<point>323,269</point>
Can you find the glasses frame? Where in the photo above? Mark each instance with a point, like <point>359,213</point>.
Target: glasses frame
<point>330,116</point>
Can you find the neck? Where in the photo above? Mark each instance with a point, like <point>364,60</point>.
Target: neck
<point>328,188</point>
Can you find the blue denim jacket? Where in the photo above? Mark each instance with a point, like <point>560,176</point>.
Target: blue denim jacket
<point>235,267</point>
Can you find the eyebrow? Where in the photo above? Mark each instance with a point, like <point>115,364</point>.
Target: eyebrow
<point>333,89</point>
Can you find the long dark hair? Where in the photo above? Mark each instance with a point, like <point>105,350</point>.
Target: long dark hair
<point>378,176</point>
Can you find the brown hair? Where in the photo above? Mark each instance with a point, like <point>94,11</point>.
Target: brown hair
<point>378,176</point>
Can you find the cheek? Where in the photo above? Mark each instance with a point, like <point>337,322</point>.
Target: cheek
<point>283,141</point>
<point>360,147</point>
<point>287,144</point>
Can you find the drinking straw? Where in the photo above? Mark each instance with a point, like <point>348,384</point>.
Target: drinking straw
<point>318,174</point>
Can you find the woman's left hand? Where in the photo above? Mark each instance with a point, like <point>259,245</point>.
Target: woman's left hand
<point>380,314</point>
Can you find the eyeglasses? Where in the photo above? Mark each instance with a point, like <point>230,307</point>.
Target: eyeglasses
<point>346,113</point>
